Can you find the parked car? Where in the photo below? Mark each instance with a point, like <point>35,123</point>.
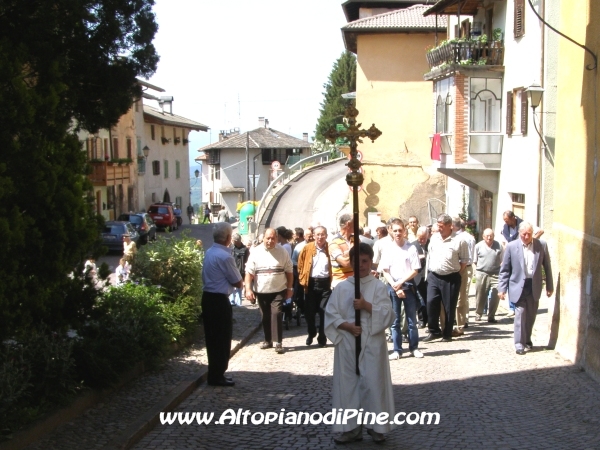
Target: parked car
<point>112,235</point>
<point>176,210</point>
<point>143,224</point>
<point>163,216</point>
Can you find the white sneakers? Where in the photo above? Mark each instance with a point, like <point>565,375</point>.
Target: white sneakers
<point>395,355</point>
<point>417,353</point>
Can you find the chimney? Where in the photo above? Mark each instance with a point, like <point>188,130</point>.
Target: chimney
<point>266,123</point>
<point>305,137</point>
<point>261,122</point>
<point>221,135</point>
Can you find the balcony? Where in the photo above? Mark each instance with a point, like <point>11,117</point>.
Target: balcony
<point>109,173</point>
<point>470,53</point>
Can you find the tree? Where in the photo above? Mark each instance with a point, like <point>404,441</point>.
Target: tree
<point>342,80</point>
<point>62,62</point>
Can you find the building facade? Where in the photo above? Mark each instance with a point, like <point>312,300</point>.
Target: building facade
<point>538,162</point>
<point>124,179</point>
<point>389,39</point>
<point>230,165</point>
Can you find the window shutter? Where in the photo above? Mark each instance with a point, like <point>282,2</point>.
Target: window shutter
<point>519,27</point>
<point>524,109</point>
<point>509,113</point>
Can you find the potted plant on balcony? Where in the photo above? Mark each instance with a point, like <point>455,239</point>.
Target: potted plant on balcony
<point>165,140</point>
<point>177,140</point>
<point>185,141</point>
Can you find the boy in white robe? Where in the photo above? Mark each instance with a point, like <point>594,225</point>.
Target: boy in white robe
<point>372,389</point>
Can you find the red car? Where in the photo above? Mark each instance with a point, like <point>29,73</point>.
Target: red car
<point>163,216</point>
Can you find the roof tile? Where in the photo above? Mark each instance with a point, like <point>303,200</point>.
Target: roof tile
<point>411,17</point>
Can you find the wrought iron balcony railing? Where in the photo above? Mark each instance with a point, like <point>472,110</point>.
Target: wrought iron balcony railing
<point>472,52</point>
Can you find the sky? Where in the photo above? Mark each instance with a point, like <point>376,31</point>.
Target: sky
<point>227,62</point>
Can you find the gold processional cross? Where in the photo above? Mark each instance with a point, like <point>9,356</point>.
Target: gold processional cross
<point>353,134</point>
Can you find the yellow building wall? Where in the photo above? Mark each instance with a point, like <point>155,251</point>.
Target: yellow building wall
<point>576,227</point>
<point>391,93</point>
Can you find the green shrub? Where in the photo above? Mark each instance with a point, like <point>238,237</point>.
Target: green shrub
<point>175,265</point>
<point>126,327</point>
<point>37,373</point>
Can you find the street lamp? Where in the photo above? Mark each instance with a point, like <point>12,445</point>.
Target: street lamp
<point>146,151</point>
<point>535,93</point>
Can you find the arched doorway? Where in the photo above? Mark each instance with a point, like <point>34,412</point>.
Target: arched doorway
<point>166,196</point>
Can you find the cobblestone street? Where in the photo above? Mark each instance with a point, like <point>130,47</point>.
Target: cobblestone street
<point>486,395</point>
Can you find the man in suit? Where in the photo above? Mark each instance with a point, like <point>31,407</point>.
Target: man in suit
<point>521,277</point>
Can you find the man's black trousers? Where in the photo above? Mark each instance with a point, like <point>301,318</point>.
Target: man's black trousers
<point>217,317</point>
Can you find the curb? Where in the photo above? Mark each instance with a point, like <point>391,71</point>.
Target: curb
<point>147,421</point>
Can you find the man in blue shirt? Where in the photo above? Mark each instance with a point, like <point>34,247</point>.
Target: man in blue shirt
<point>219,276</point>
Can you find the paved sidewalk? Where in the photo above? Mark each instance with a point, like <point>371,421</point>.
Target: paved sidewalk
<point>112,420</point>
<point>486,395</point>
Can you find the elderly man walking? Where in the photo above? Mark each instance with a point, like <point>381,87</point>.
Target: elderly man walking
<point>487,259</point>
<point>447,257</point>
<point>466,275</point>
<point>219,275</point>
<point>314,274</point>
<point>521,277</point>
<point>269,279</point>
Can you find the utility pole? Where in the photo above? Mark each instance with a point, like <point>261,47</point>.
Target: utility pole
<point>247,166</point>
<point>354,179</point>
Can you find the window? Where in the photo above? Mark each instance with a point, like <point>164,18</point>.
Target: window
<point>95,149</point>
<point>276,154</point>
<point>174,132</point>
<point>442,107</point>
<point>115,153</point>
<point>485,117</point>
<point>519,18</point>
<point>162,132</point>
<point>155,167</point>
<point>518,201</point>
<point>217,172</point>
<point>166,167</point>
<point>213,157</point>
<point>486,104</point>
<point>154,197</point>
<point>152,132</point>
<point>129,149</point>
<point>138,143</point>
<point>177,169</point>
<point>178,201</point>
<point>106,149</point>
<point>517,109</point>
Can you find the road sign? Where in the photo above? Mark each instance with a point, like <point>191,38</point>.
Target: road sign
<point>275,165</point>
<point>254,179</point>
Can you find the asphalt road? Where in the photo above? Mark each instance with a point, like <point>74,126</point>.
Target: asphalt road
<point>313,198</point>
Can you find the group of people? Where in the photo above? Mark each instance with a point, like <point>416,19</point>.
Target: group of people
<point>408,272</point>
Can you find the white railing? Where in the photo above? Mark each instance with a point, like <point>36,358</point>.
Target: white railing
<point>287,175</point>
